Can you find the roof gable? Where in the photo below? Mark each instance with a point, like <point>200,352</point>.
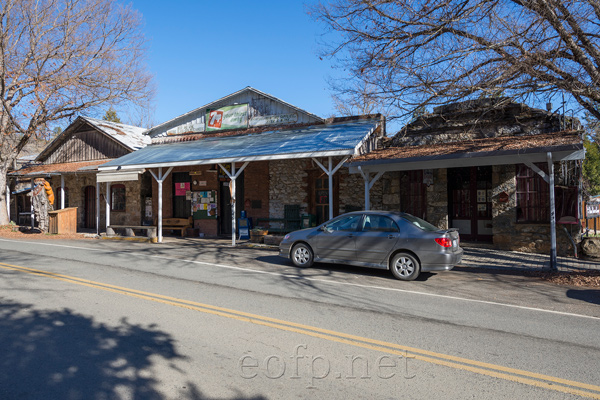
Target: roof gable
<point>261,105</point>
<point>89,139</point>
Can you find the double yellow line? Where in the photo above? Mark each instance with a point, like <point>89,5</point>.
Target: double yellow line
<point>493,370</point>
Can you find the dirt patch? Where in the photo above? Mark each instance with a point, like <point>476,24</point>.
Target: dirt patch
<point>573,278</point>
<point>24,232</point>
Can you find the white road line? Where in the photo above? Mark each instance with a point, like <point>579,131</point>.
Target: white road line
<point>320,280</point>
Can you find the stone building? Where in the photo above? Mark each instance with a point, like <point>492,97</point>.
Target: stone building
<point>480,167</point>
<point>70,164</point>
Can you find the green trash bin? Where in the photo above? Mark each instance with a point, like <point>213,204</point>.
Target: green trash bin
<point>308,221</point>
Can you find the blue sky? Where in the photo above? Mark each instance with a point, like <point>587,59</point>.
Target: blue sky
<point>203,50</point>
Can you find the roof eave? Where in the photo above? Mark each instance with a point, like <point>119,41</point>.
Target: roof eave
<point>269,157</point>
<point>496,157</point>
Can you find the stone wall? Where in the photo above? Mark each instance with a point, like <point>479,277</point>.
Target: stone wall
<point>437,199</point>
<point>288,185</point>
<point>352,191</point>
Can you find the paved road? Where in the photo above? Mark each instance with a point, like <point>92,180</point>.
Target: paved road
<point>99,319</point>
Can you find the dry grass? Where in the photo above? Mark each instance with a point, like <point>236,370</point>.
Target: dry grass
<point>573,278</point>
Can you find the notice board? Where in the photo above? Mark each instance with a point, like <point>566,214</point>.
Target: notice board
<point>204,204</point>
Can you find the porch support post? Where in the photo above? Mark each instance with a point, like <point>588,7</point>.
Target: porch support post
<point>8,203</point>
<point>159,179</point>
<point>233,175</point>
<point>62,191</point>
<point>549,178</point>
<point>330,171</point>
<point>107,203</point>
<point>97,208</point>
<point>368,185</point>
<point>32,211</point>
<point>552,213</point>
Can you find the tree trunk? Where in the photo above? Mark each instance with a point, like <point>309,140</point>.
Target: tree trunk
<point>4,217</point>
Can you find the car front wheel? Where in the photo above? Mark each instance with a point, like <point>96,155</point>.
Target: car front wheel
<point>302,255</point>
<point>405,267</point>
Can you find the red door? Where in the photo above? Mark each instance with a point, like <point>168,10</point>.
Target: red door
<point>89,207</point>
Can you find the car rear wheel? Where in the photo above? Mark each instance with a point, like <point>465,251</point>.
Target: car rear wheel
<point>302,255</point>
<point>405,267</point>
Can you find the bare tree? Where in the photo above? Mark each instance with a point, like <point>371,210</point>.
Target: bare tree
<point>419,53</point>
<point>59,58</point>
<point>356,99</point>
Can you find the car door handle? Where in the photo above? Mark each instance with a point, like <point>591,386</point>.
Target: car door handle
<point>391,237</point>
<point>350,235</point>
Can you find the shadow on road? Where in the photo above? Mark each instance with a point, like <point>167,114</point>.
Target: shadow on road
<point>587,295</point>
<point>49,354</point>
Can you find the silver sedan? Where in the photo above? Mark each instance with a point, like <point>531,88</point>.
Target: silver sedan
<point>400,242</point>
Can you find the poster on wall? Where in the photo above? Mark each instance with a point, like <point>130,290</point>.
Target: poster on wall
<point>181,188</point>
<point>204,204</point>
<point>229,117</point>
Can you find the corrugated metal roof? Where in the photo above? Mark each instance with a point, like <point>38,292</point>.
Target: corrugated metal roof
<point>313,141</point>
<point>131,136</point>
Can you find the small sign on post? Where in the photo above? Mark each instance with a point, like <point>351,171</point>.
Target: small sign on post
<point>592,209</point>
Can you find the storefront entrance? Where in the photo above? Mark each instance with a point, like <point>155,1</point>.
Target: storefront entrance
<point>470,202</point>
<point>182,204</point>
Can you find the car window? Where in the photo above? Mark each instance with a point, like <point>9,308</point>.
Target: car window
<point>379,223</point>
<point>348,223</point>
<point>420,223</point>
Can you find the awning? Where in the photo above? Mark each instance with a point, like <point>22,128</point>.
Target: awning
<point>323,140</point>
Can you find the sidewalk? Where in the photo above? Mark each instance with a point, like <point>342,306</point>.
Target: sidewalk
<point>482,257</point>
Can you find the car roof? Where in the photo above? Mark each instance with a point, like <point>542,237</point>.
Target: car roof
<point>397,214</point>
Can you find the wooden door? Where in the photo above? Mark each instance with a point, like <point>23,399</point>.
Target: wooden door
<point>89,206</point>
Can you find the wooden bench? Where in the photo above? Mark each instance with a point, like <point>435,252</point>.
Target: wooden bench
<point>177,224</point>
<point>130,230</point>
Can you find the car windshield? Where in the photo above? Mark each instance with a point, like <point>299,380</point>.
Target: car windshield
<point>420,223</point>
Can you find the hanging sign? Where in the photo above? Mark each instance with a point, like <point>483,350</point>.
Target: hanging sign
<point>428,177</point>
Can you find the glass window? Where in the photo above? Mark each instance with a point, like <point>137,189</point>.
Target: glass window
<point>347,223</point>
<point>379,223</point>
<point>533,195</point>
<point>421,224</point>
<point>117,197</point>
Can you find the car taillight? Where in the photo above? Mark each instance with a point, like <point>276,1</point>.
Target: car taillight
<point>444,242</point>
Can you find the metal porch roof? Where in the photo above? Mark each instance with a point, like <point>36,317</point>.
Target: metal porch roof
<point>313,141</point>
